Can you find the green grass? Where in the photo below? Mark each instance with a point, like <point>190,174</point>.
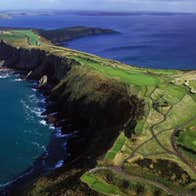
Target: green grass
<point>12,37</point>
<point>131,77</point>
<point>187,138</point>
<point>174,93</point>
<point>169,93</point>
<point>192,85</point>
<point>23,36</point>
<point>180,113</point>
<point>144,173</point>
<point>89,179</point>
<point>31,36</point>
<point>139,127</point>
<point>100,186</point>
<point>116,147</point>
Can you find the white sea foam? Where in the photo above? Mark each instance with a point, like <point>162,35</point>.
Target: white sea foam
<point>59,134</point>
<point>3,76</point>
<point>33,98</point>
<point>43,100</point>
<point>59,164</point>
<point>34,89</point>
<point>43,122</point>
<point>18,79</point>
<point>36,110</point>
<point>52,127</point>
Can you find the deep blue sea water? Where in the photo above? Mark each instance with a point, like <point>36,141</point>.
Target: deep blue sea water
<point>156,41</point>
<point>147,40</point>
<point>23,132</point>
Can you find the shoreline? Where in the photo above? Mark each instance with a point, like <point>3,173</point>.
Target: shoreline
<point>40,165</point>
<point>98,126</point>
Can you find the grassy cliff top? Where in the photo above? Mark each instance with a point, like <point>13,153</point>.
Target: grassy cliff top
<point>19,37</point>
<point>154,155</point>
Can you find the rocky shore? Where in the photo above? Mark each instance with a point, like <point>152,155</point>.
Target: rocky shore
<point>97,121</point>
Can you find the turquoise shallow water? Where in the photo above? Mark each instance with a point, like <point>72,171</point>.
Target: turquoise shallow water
<point>23,132</point>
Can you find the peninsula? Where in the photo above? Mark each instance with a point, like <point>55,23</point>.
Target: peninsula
<point>61,35</point>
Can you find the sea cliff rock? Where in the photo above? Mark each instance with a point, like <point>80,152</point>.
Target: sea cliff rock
<point>89,98</point>
<point>38,61</point>
<point>98,107</point>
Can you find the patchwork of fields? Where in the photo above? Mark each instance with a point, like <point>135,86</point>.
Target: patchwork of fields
<point>160,155</point>
<point>163,139</point>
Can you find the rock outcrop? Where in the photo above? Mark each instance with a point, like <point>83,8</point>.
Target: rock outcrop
<point>43,81</point>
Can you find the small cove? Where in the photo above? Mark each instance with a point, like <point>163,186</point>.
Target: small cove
<point>25,135</point>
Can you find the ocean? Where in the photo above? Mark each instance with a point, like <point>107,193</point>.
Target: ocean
<point>24,134</point>
<point>165,41</point>
<point>146,40</point>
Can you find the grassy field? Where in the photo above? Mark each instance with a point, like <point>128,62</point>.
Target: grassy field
<point>170,106</point>
<point>187,138</point>
<point>20,37</point>
<point>120,141</point>
<point>101,186</point>
<point>192,85</point>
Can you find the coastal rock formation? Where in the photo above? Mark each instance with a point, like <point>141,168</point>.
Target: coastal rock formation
<point>43,81</point>
<point>107,99</point>
<point>40,62</point>
<point>98,107</point>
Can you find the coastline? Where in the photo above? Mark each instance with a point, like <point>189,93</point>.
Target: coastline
<point>101,132</point>
<point>49,160</point>
<point>77,86</point>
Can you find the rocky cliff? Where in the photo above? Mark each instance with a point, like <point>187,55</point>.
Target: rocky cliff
<point>97,106</point>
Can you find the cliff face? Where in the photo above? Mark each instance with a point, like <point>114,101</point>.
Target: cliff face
<point>98,106</point>
<point>38,61</point>
<point>83,93</point>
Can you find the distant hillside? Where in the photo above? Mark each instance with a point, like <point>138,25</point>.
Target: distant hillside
<point>67,34</point>
<point>4,16</point>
